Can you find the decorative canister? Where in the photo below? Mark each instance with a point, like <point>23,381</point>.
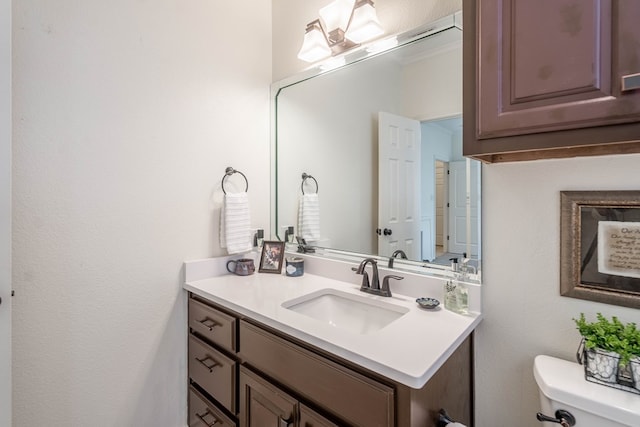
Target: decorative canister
<point>295,266</point>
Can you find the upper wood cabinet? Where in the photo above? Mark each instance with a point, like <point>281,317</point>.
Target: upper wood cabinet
<point>551,78</point>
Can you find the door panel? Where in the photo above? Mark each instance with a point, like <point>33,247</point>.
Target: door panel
<point>463,211</point>
<point>399,185</point>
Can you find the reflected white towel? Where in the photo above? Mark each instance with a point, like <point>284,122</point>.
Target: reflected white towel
<point>309,217</point>
<point>235,223</point>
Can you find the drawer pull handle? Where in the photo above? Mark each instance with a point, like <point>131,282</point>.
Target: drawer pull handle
<point>212,363</point>
<point>201,418</point>
<point>209,323</point>
<point>630,82</point>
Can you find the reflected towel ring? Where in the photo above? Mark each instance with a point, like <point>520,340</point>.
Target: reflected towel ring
<point>230,171</point>
<point>306,176</point>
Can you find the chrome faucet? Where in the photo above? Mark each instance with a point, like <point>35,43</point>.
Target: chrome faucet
<point>394,255</point>
<point>374,287</point>
<point>375,281</point>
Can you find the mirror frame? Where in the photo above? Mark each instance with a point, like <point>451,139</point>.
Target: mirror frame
<point>351,57</point>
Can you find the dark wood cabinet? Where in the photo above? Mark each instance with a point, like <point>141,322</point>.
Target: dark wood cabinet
<point>550,78</point>
<point>244,373</point>
<point>310,418</point>
<point>355,398</point>
<point>203,413</point>
<point>262,404</point>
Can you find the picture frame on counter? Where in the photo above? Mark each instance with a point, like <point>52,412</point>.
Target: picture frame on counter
<point>272,257</point>
<point>600,246</point>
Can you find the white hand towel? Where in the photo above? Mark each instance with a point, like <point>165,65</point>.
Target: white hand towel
<point>309,217</point>
<point>235,223</point>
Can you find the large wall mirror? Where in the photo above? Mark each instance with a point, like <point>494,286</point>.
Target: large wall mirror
<point>381,138</point>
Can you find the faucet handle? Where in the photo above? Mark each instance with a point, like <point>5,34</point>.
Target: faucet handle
<point>365,278</point>
<point>386,291</point>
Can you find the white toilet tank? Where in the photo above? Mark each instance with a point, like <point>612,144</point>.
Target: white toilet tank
<point>562,385</point>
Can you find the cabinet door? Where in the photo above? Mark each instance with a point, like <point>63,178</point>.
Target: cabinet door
<point>202,413</point>
<point>264,405</point>
<point>357,399</point>
<point>212,324</point>
<point>552,72</point>
<point>214,372</point>
<point>310,418</point>
<point>555,64</point>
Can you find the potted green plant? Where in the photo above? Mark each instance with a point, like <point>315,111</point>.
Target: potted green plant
<point>610,344</point>
<point>631,338</point>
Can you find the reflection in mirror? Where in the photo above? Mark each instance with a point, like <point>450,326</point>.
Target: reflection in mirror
<point>382,138</point>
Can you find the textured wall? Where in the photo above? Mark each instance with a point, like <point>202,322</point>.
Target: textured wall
<point>125,116</point>
<point>524,312</point>
<point>5,212</point>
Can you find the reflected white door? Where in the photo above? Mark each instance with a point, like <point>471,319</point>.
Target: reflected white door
<point>398,185</point>
<point>463,207</point>
<point>5,212</point>
<point>441,175</point>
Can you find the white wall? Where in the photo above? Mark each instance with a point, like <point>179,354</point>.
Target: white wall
<point>433,85</point>
<point>5,212</point>
<point>125,117</point>
<point>525,314</point>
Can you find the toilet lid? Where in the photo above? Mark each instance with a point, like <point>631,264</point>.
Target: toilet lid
<point>564,382</point>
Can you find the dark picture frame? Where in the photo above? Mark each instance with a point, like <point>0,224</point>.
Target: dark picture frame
<point>272,257</point>
<point>600,246</point>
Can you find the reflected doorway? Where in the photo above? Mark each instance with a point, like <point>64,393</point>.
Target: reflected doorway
<point>442,197</point>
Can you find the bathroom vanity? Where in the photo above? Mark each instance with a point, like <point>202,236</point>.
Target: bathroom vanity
<point>259,357</point>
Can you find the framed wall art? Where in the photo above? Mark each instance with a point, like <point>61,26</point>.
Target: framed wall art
<point>600,246</point>
<point>272,256</point>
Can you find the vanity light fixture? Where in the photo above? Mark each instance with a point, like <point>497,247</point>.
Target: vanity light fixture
<point>333,63</point>
<point>382,45</point>
<point>343,25</point>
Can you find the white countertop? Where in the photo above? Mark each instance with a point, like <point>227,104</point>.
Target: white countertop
<point>409,350</point>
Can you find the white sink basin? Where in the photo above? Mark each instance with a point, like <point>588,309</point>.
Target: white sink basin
<point>355,313</point>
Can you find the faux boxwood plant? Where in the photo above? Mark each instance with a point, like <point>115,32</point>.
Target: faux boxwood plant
<point>610,335</point>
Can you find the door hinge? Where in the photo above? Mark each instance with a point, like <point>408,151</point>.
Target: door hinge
<point>448,204</point>
<point>447,237</point>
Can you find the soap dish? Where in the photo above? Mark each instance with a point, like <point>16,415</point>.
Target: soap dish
<point>429,303</point>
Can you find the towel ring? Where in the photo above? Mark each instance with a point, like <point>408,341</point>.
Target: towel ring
<point>306,176</point>
<point>230,171</point>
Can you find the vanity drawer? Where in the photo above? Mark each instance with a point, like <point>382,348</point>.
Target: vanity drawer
<point>214,372</point>
<point>203,413</point>
<point>212,324</point>
<point>335,388</point>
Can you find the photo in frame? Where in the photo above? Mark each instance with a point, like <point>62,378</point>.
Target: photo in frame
<point>600,246</point>
<point>272,257</point>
